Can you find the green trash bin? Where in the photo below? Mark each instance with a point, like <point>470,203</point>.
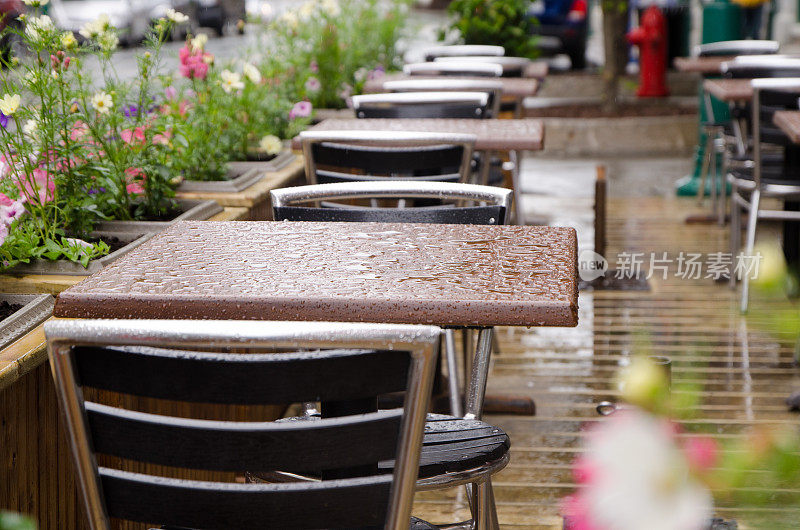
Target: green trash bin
<point>721,22</point>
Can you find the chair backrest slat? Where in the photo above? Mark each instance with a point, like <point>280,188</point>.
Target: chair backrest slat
<point>348,503</point>
<point>305,446</point>
<point>737,47</point>
<point>229,378</point>
<point>373,154</point>
<point>288,203</point>
<point>190,363</point>
<point>463,50</point>
<point>416,105</point>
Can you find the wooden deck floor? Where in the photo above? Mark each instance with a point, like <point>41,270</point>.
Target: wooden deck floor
<point>745,373</point>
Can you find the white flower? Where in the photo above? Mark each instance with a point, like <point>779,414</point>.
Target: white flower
<point>251,73</point>
<point>108,41</point>
<point>176,16</point>
<point>68,40</point>
<point>271,144</point>
<point>102,102</point>
<point>290,19</point>
<point>306,10</point>
<point>360,74</point>
<point>231,81</point>
<point>37,28</point>
<point>331,7</point>
<point>198,43</point>
<point>35,3</point>
<point>29,128</point>
<point>640,477</point>
<point>92,29</point>
<point>9,104</point>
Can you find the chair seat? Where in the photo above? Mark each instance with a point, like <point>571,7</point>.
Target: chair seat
<point>456,445</point>
<point>451,445</point>
<point>771,173</point>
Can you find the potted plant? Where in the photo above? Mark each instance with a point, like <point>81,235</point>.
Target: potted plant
<point>76,154</point>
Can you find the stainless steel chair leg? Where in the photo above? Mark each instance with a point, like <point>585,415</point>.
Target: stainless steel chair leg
<point>456,406</point>
<point>735,229</point>
<point>701,189</point>
<point>480,373</point>
<point>519,214</point>
<point>752,224</point>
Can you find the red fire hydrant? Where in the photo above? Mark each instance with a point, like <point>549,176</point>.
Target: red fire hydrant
<point>651,37</point>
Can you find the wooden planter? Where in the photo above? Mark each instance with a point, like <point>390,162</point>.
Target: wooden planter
<point>254,200</point>
<point>37,475</point>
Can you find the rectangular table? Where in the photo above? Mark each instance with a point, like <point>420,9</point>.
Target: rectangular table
<point>460,275</point>
<point>789,122</point>
<point>729,90</point>
<point>492,135</point>
<point>517,87</point>
<point>701,65</point>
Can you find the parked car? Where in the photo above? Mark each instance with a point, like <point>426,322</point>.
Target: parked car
<point>221,14</point>
<point>131,17</point>
<point>9,11</point>
<point>564,23</point>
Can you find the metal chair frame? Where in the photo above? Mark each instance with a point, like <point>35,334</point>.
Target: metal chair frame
<point>756,188</point>
<point>463,50</point>
<point>511,65</point>
<point>737,47</point>
<point>386,139</point>
<point>420,341</point>
<point>480,100</point>
<point>493,88</point>
<point>455,68</point>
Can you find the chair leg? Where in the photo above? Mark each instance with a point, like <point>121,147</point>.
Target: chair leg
<point>724,185</point>
<point>519,214</point>
<point>476,388</point>
<point>482,506</point>
<point>752,223</point>
<point>735,230</point>
<point>701,189</point>
<point>712,175</point>
<point>456,408</point>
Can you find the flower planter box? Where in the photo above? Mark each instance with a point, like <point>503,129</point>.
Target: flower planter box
<point>64,267</point>
<point>332,114</point>
<point>191,210</point>
<point>255,198</point>
<point>35,310</point>
<point>241,175</point>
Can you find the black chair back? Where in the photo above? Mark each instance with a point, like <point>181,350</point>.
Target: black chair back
<point>351,156</point>
<point>276,363</point>
<point>492,208</point>
<point>421,105</point>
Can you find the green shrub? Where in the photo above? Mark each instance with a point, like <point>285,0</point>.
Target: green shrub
<point>496,22</point>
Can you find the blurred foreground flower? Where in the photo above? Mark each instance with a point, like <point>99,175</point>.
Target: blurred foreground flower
<point>772,272</point>
<point>635,475</point>
<point>271,144</point>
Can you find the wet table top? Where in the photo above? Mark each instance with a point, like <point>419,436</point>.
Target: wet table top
<point>701,65</point>
<point>789,122</point>
<point>520,87</point>
<point>466,275</point>
<point>729,90</point>
<point>497,135</point>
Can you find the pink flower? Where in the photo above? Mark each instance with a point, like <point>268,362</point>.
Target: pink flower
<point>5,200</point>
<point>194,65</point>
<point>701,452</point>
<point>301,109</point>
<point>582,470</point>
<point>79,130</point>
<point>314,67</point>
<point>137,135</point>
<point>12,212</point>
<point>313,84</point>
<point>576,514</point>
<point>3,233</point>
<point>162,138</point>
<point>43,188</point>
<point>134,177</point>
<point>376,73</point>
<point>170,92</point>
